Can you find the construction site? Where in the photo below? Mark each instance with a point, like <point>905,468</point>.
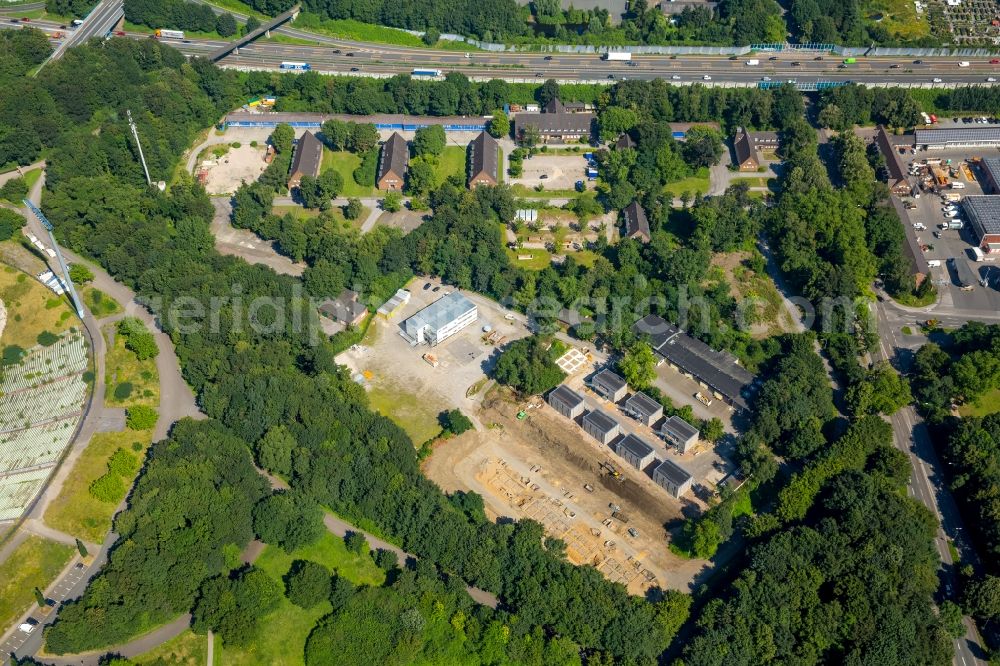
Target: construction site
<point>527,463</point>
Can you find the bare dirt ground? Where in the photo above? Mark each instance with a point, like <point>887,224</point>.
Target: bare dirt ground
<point>537,468</point>
<point>562,170</point>
<point>238,165</point>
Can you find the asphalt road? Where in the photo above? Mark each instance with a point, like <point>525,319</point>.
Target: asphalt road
<point>927,483</point>
<point>385,60</point>
<point>97,24</point>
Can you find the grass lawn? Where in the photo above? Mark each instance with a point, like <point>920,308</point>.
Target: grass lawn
<point>31,309</point>
<point>356,30</point>
<point>283,633</point>
<point>185,649</point>
<point>585,257</point>
<point>899,18</point>
<point>278,38</point>
<point>451,162</point>
<point>74,511</point>
<point>99,303</point>
<point>345,163</point>
<point>31,177</point>
<point>122,366</point>
<point>336,213</point>
<point>696,183</point>
<point>35,563</point>
<point>987,404</point>
<point>757,181</point>
<point>239,8</point>
<point>410,412</point>
<point>539,258</point>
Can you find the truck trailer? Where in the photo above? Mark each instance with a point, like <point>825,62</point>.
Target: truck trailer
<point>963,274</point>
<point>169,34</point>
<point>753,62</point>
<point>620,56</point>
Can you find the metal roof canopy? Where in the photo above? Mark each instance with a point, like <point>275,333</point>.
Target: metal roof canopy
<point>62,262</point>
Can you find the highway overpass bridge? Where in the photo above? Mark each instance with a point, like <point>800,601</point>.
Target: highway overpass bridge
<point>265,29</point>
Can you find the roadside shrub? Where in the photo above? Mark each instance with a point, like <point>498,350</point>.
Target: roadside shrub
<point>108,488</point>
<point>81,274</point>
<point>455,422</point>
<point>138,339</point>
<point>13,354</point>
<point>123,463</point>
<point>14,190</point>
<point>123,391</point>
<point>140,417</point>
<point>364,175</point>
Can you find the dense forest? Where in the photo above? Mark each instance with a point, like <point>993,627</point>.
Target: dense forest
<point>267,388</point>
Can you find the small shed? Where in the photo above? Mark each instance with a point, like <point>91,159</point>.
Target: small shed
<point>600,426</point>
<point>610,385</point>
<point>643,409</point>
<point>566,401</point>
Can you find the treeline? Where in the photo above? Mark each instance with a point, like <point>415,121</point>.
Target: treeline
<point>825,544</point>
<point>168,543</point>
<point>965,369</point>
<point>843,107</point>
<point>261,379</point>
<point>22,134</point>
<point>179,15</point>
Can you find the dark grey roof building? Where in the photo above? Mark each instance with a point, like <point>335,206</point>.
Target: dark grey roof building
<point>600,426</point>
<point>638,453</point>
<point>566,401</point>
<point>680,433</point>
<point>983,213</point>
<point>483,161</point>
<point>556,123</point>
<point>672,477</point>
<point>306,160</point>
<point>346,308</point>
<point>898,181</point>
<point>393,163</point>
<point>991,169</point>
<point>625,141</point>
<point>636,223</point>
<point>610,385</point>
<point>720,370</point>
<point>643,408</point>
<point>957,137</point>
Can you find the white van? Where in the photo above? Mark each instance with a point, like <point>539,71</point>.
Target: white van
<point>955,185</point>
<point>964,63</point>
<point>934,263</point>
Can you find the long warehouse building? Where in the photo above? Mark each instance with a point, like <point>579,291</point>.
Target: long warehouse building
<point>957,137</point>
<point>382,121</point>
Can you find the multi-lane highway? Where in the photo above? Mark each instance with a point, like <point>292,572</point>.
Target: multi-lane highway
<point>345,56</point>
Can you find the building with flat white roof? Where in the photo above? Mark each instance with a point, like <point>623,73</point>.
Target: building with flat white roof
<point>441,319</point>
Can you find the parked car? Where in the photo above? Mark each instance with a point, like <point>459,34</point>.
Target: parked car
<point>707,77</point>
<point>936,80</point>
<point>676,77</point>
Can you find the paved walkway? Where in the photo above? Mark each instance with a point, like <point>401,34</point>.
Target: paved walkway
<point>19,172</point>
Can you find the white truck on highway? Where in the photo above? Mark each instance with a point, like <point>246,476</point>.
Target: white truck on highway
<point>964,63</point>
<point>620,56</point>
<point>753,62</point>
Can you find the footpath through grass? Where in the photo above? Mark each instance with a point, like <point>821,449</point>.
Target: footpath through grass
<point>185,649</point>
<point>282,635</point>
<point>35,563</point>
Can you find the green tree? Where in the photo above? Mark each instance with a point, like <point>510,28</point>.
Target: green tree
<point>10,223</point>
<point>80,274</point>
<point>499,125</point>
<point>638,366</point>
<point>138,339</point>
<point>140,417</point>
<point>14,190</point>
<point>356,543</point>
<point>251,25</point>
<point>225,25</point>
<point>455,422</point>
<point>982,598</point>
<point>307,583</point>
<point>527,366</point>
<point>353,209</point>
<point>392,202</point>
<point>233,607</point>
<point>429,140</point>
<point>108,488</point>
<point>288,519</point>
<point>274,450</point>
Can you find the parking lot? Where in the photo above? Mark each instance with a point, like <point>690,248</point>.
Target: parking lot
<point>59,592</point>
<point>554,172</point>
<point>945,244</point>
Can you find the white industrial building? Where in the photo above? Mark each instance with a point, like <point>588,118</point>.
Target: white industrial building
<point>440,320</point>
